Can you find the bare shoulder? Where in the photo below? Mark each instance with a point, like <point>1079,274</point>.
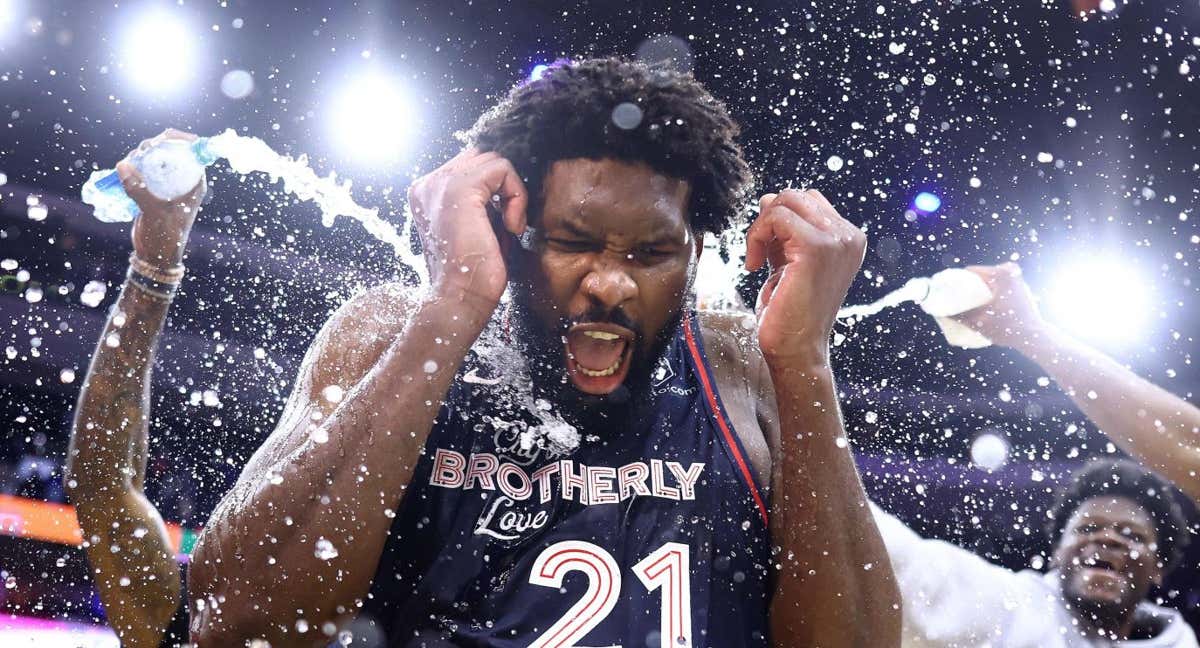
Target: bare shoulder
<point>347,347</point>
<point>358,333</point>
<point>731,343</point>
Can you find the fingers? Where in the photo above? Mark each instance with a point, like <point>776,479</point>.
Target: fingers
<point>814,208</point>
<point>133,183</point>
<point>778,224</point>
<point>502,180</point>
<point>999,277</point>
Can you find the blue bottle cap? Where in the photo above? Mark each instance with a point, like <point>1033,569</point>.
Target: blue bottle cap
<point>109,182</point>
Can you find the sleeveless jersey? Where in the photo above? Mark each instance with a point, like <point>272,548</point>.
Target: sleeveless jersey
<point>652,535</point>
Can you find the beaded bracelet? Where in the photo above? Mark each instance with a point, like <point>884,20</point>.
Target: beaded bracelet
<point>158,290</point>
<point>172,275</point>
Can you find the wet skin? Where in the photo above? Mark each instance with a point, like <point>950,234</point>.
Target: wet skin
<point>614,258</point>
<point>1108,561</point>
<point>614,252</point>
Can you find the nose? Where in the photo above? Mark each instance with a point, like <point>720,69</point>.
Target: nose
<point>1109,538</point>
<point>608,285</point>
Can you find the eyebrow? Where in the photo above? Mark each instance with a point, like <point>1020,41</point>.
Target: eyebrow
<point>659,236</point>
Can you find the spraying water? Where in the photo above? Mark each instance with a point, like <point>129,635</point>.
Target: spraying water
<point>914,290</point>
<point>951,292</point>
<point>169,166</point>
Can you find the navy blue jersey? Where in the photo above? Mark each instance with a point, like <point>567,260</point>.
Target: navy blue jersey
<point>651,535</point>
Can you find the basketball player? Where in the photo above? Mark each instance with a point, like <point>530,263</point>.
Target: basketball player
<point>588,463</point>
<point>1156,426</point>
<point>126,543</point>
<point>1116,533</point>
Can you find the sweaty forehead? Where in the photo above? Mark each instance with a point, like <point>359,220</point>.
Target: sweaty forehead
<point>629,194</point>
<point>1112,510</point>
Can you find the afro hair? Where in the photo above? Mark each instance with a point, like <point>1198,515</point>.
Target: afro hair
<point>624,110</point>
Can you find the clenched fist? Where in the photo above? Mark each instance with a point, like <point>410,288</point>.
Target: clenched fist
<point>813,254</point>
<point>450,208</point>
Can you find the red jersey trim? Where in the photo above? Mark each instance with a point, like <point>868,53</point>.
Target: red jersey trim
<point>719,415</point>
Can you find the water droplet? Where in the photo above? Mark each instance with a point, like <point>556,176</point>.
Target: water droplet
<point>627,116</point>
<point>333,393</point>
<point>430,366</point>
<point>834,163</point>
<point>93,293</point>
<point>325,550</point>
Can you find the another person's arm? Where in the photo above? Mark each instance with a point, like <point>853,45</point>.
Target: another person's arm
<point>1158,427</point>
<point>332,472</point>
<point>835,587</point>
<point>133,563</point>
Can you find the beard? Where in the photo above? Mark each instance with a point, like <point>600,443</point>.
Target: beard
<point>1102,614</point>
<point>543,348</point>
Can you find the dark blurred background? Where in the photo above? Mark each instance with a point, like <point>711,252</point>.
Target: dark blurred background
<point>1066,143</point>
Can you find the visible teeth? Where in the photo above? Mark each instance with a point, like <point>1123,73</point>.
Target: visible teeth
<point>606,372</point>
<point>601,335</point>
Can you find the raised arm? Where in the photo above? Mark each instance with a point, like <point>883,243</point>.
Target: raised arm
<point>300,535</point>
<point>835,587</point>
<point>1156,426</point>
<point>133,563</point>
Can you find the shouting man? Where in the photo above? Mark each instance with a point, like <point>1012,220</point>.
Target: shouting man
<point>591,462</point>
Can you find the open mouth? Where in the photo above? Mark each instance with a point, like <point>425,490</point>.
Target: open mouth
<point>598,356</point>
<point>1096,570</point>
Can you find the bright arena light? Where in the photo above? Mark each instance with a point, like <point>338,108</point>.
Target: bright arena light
<point>159,53</point>
<point>1100,298</point>
<point>989,451</point>
<point>373,119</point>
<point>8,16</point>
<point>927,202</point>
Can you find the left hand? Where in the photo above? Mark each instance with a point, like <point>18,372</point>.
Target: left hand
<point>160,234</point>
<point>813,254</point>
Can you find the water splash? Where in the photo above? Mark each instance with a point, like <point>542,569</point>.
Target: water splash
<point>249,154</point>
<point>914,290</point>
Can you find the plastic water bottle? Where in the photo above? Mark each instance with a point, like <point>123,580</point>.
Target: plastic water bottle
<point>171,168</point>
<point>952,292</point>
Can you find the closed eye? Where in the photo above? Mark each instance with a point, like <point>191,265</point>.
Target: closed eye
<point>571,245</point>
<point>654,253</point>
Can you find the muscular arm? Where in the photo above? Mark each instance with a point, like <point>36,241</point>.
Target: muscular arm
<point>835,586</point>
<point>330,472</point>
<point>1158,427</point>
<point>124,537</point>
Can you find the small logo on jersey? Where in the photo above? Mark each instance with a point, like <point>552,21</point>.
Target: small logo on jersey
<point>474,378</point>
<point>662,373</point>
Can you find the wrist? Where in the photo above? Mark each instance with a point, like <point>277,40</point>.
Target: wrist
<point>169,271</point>
<point>460,306</point>
<point>799,355</point>
<point>1035,340</point>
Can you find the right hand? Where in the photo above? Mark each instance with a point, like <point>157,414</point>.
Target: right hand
<point>161,232</point>
<point>450,211</point>
<point>1012,317</point>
